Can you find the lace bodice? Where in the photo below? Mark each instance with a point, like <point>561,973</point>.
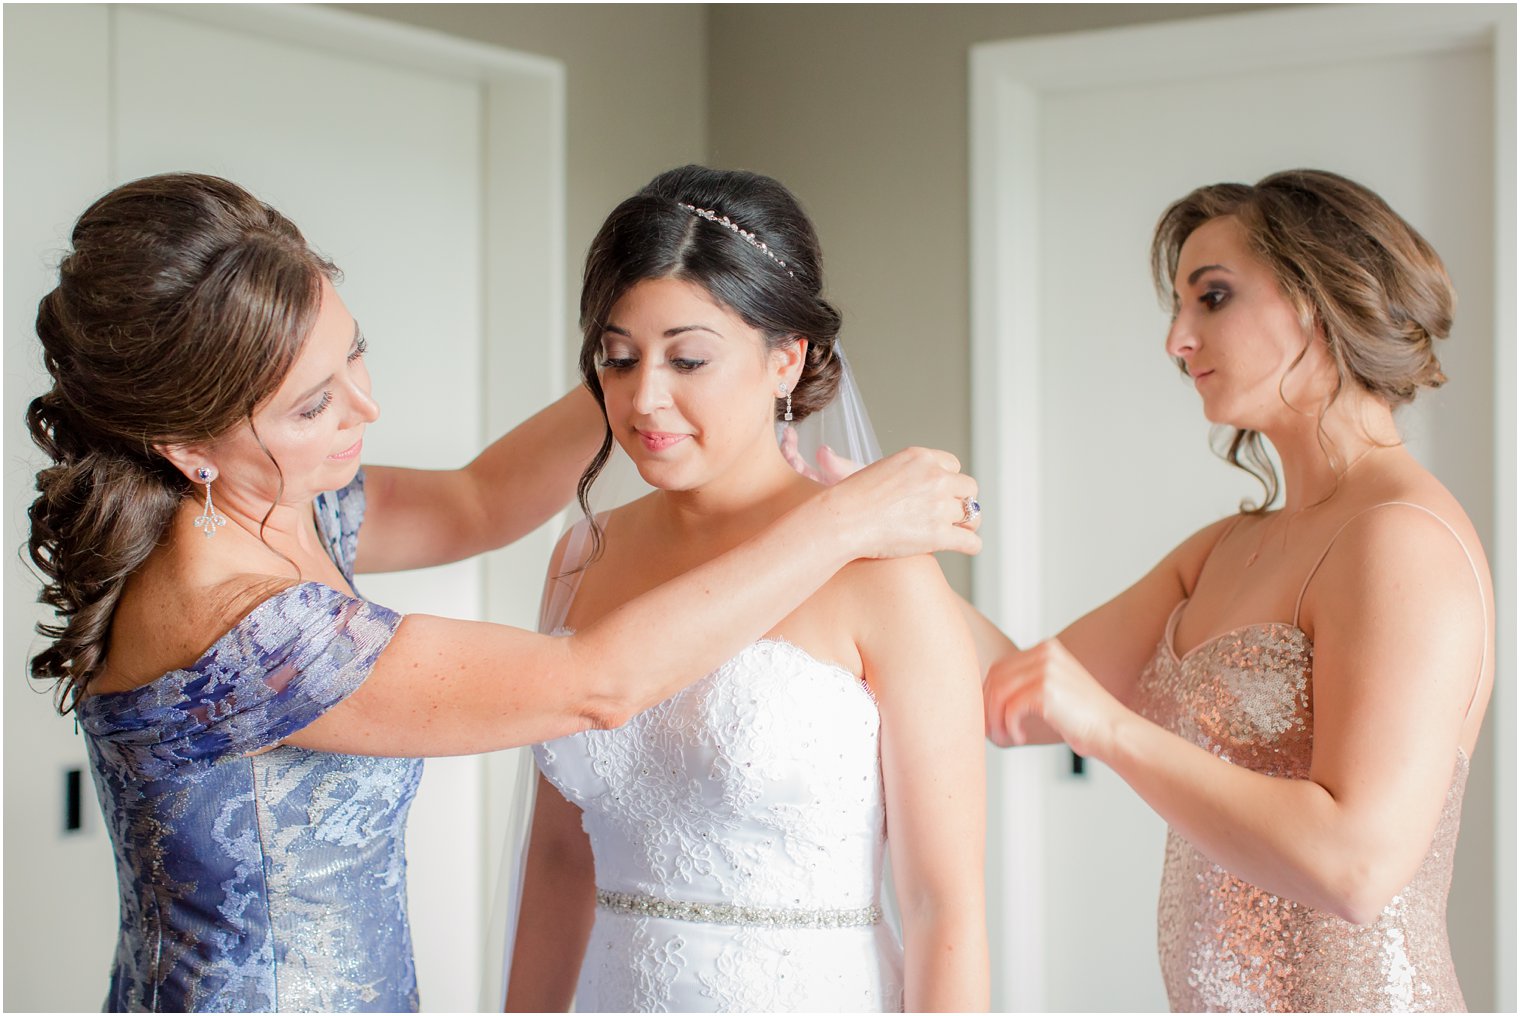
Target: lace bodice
<point>760,785</point>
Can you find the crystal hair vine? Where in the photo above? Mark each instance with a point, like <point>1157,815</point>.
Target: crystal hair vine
<point>746,235</point>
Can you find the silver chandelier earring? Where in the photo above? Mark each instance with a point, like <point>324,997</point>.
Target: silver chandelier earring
<point>209,520</point>
<point>781,392</point>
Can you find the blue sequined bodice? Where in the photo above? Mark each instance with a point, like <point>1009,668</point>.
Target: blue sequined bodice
<point>270,881</point>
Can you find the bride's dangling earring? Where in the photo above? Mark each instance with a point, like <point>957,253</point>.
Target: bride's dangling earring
<point>781,392</point>
<point>209,520</point>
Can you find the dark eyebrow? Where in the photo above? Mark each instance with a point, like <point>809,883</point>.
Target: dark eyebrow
<point>1196,272</point>
<point>670,333</point>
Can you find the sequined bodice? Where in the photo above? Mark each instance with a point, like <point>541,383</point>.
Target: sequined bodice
<point>760,786</point>
<point>251,877</point>
<point>1247,697</point>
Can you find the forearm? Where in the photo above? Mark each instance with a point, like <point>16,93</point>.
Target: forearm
<point>649,648</point>
<point>988,638</point>
<point>529,473</point>
<point>446,687</point>
<point>557,909</point>
<point>1286,836</point>
<point>946,963</point>
<point>992,644</point>
<point>418,518</point>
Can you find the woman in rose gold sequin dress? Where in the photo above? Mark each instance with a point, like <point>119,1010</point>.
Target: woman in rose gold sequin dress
<point>1297,691</point>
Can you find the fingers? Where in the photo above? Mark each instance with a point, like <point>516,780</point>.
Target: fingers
<point>949,463</point>
<point>911,502</point>
<point>961,540</point>
<point>835,466</point>
<point>792,452</point>
<point>1006,712</point>
<point>996,719</point>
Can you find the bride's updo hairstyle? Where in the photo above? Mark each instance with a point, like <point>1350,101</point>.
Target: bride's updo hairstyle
<point>1355,271</point>
<point>740,236</point>
<point>180,306</point>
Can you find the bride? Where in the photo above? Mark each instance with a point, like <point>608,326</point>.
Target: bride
<point>724,850</point>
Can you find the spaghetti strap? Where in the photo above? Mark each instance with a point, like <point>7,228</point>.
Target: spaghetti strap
<point>1223,536</point>
<point>1227,531</point>
<point>1482,598</point>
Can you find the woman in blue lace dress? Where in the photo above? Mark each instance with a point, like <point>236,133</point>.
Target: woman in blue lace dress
<point>253,723</point>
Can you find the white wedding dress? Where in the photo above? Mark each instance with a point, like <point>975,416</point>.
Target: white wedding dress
<point>738,830</point>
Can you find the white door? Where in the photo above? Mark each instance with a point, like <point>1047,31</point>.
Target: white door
<point>1104,461</point>
<point>384,161</point>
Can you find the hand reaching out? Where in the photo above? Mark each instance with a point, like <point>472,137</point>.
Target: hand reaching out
<point>1046,682</point>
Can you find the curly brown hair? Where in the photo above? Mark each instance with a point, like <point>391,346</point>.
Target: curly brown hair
<point>180,306</point>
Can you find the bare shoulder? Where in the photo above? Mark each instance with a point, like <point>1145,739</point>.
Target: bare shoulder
<point>163,624</point>
<point>882,584</point>
<point>1405,517</point>
<point>1403,599</point>
<point>576,542</point>
<point>891,603</point>
<point>1422,542</point>
<point>1406,559</point>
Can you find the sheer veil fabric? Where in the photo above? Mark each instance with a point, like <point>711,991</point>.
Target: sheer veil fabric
<point>843,426</point>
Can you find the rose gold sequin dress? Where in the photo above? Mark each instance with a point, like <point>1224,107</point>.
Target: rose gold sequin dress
<point>1246,696</point>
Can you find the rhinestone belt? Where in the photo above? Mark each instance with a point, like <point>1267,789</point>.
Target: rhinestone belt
<point>729,913</point>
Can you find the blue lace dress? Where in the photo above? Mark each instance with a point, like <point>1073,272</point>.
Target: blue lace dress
<point>274,881</point>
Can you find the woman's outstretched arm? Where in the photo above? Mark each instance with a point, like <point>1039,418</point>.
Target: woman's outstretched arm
<point>416,518</point>
<point>444,687</point>
<point>921,664</point>
<point>1113,641</point>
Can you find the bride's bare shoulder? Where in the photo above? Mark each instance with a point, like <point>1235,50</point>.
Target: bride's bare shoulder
<point>885,586</point>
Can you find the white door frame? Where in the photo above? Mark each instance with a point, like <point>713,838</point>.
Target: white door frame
<point>523,313</point>
<point>1009,83</point>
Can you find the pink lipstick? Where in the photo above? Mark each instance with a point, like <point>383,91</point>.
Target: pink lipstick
<point>657,441</point>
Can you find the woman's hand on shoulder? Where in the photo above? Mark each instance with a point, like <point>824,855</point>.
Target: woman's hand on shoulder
<point>911,502</point>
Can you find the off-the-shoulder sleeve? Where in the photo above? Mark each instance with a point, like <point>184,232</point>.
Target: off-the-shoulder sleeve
<point>295,656</point>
